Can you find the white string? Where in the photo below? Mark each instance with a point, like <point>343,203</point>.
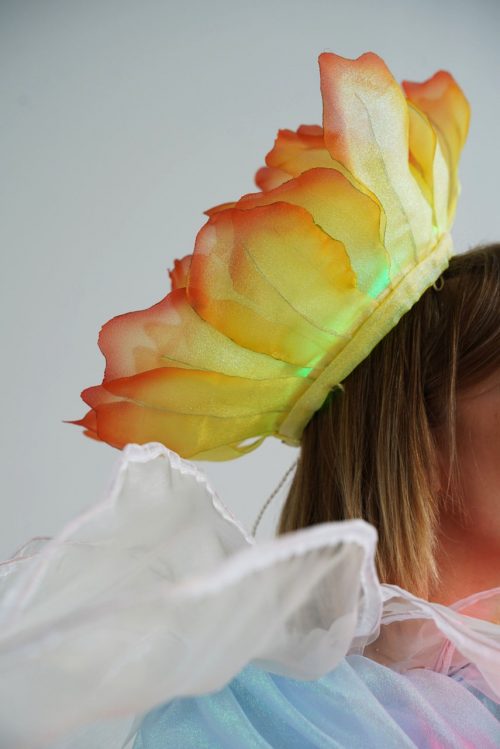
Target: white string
<point>270,498</point>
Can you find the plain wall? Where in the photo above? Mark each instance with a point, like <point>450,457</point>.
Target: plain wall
<point>120,123</point>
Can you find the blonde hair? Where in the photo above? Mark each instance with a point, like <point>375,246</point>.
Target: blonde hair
<point>369,452</point>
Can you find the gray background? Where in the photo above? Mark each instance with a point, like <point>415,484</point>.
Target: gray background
<point>120,123</point>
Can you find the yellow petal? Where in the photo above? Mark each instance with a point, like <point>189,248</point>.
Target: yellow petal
<point>365,121</point>
<point>190,411</point>
<point>428,166</point>
<point>172,334</point>
<point>318,190</point>
<point>274,282</point>
<point>444,103</point>
<point>296,152</point>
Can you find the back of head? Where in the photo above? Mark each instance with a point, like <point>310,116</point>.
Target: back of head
<point>371,451</point>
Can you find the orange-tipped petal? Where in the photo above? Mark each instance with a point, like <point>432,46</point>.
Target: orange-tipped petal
<point>428,166</point>
<point>274,282</point>
<point>179,273</point>
<point>88,422</point>
<point>172,334</point>
<point>296,152</point>
<point>317,190</point>
<point>218,208</point>
<point>365,121</point>
<point>444,103</point>
<point>267,178</point>
<point>194,413</point>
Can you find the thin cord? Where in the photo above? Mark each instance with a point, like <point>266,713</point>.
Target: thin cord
<point>271,497</point>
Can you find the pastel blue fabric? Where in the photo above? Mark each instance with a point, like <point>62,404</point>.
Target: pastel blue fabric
<point>359,704</point>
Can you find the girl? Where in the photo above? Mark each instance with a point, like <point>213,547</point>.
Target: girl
<point>324,310</point>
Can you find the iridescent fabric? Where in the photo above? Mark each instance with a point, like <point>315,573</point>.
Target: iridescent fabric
<point>154,618</point>
<point>361,704</point>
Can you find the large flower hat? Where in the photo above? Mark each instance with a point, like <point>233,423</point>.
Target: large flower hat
<point>289,288</point>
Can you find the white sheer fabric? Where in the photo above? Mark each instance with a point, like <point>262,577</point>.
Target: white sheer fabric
<point>158,592</point>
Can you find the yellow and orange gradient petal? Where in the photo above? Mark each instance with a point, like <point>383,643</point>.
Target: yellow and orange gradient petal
<point>290,287</point>
<point>443,102</point>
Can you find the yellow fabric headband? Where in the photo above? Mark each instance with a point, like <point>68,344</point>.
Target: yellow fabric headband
<point>288,289</point>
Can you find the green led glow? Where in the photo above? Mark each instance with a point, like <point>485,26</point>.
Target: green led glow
<point>380,285</point>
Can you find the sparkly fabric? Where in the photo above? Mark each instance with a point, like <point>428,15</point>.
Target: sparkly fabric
<point>359,705</point>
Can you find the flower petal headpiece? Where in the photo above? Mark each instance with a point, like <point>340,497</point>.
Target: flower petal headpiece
<point>290,288</point>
